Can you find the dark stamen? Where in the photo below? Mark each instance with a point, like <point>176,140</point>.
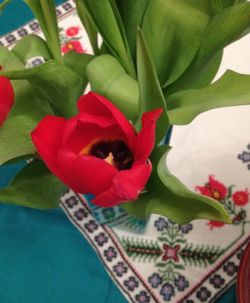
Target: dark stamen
<point>123,157</point>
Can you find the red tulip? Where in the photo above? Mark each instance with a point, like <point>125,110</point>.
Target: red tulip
<point>6,98</point>
<point>98,151</point>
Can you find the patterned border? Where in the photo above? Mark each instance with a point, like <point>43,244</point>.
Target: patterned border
<point>32,27</point>
<point>110,241</point>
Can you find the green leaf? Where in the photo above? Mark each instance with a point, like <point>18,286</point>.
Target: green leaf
<point>78,63</point>
<point>88,24</point>
<point>168,197</point>
<point>108,78</point>
<point>229,25</point>
<point>29,108</point>
<point>34,187</point>
<point>151,96</point>
<point>132,20</point>
<point>196,76</point>
<point>45,13</point>
<point>231,89</point>
<point>62,91</point>
<point>173,31</point>
<point>31,46</point>
<point>109,27</point>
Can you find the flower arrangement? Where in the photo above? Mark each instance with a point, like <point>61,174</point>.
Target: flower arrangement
<point>151,69</point>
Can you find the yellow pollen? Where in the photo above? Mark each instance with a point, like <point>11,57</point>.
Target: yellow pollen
<point>70,46</point>
<point>110,159</point>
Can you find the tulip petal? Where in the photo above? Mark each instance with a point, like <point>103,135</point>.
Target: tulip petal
<point>80,132</point>
<point>95,104</point>
<point>145,140</point>
<point>47,138</point>
<point>91,174</point>
<point>6,98</point>
<point>126,186</point>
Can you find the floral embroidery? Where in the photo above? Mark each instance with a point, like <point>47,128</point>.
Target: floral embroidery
<point>110,253</point>
<point>245,156</point>
<point>131,283</point>
<point>170,252</point>
<point>230,268</point>
<point>101,239</point>
<point>241,198</point>
<point>120,269</point>
<point>72,31</point>
<point>214,189</point>
<point>203,294</point>
<point>80,214</point>
<point>71,202</point>
<point>155,280</point>
<point>217,281</point>
<point>161,224</point>
<point>142,297</point>
<point>181,283</point>
<point>91,226</point>
<point>186,228</point>
<point>167,291</point>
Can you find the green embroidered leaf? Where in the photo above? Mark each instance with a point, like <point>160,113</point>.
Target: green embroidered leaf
<point>88,24</point>
<point>31,46</point>
<point>34,187</point>
<point>151,96</point>
<point>109,27</point>
<point>168,197</point>
<point>78,63</point>
<point>132,20</point>
<point>62,92</point>
<point>29,108</point>
<point>173,31</point>
<point>45,13</point>
<point>108,78</point>
<point>231,89</point>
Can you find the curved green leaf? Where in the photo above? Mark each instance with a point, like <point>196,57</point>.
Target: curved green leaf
<point>151,96</point>
<point>168,197</point>
<point>109,27</point>
<point>132,20</point>
<point>229,25</point>
<point>78,63</point>
<point>108,78</point>
<point>31,46</point>
<point>62,92</point>
<point>45,13</point>
<point>29,108</point>
<point>231,89</point>
<point>35,186</point>
<point>173,31</point>
<point>88,24</point>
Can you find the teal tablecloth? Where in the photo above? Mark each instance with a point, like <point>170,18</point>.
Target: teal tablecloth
<point>43,258</point>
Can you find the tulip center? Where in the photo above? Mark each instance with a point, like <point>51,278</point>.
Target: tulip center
<point>115,153</point>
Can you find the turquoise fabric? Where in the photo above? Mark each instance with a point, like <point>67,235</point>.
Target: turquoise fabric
<point>43,258</point>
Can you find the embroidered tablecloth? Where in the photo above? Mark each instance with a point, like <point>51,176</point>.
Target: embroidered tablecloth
<point>158,260</point>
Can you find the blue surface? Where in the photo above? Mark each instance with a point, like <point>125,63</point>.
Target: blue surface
<point>43,258</point>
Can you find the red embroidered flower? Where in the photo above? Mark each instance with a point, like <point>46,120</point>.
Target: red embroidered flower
<point>98,150</point>
<point>241,198</point>
<point>6,98</point>
<point>216,224</point>
<point>72,31</point>
<point>72,45</point>
<point>213,189</point>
